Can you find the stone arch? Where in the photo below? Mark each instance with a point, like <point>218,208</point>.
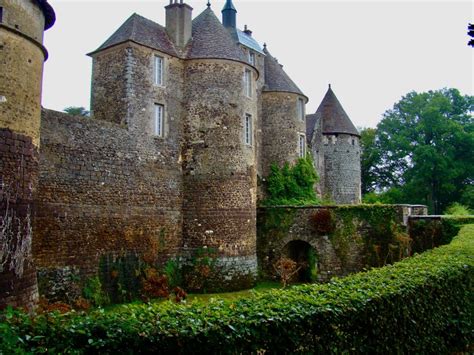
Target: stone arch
<point>305,256</point>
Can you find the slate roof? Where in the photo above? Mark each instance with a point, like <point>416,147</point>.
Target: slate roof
<point>310,126</point>
<point>275,77</point>
<point>143,31</point>
<point>248,41</point>
<point>334,118</point>
<point>48,12</point>
<point>212,40</point>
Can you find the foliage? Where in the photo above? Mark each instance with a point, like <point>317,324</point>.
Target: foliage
<point>456,209</point>
<point>292,185</point>
<point>420,305</point>
<point>77,111</point>
<point>422,147</point>
<point>174,273</point>
<point>312,270</point>
<point>323,221</point>
<point>94,293</point>
<point>201,271</point>
<point>467,197</point>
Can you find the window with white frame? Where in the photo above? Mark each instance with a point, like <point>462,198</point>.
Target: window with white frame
<point>301,113</point>
<point>251,57</point>
<point>248,129</point>
<point>158,69</point>
<point>248,83</point>
<point>302,145</point>
<point>159,121</point>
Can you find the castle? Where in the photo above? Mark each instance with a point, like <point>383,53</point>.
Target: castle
<point>186,121</point>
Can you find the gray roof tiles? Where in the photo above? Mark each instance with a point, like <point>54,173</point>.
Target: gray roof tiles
<point>212,40</point>
<point>143,31</point>
<point>334,118</point>
<point>275,77</point>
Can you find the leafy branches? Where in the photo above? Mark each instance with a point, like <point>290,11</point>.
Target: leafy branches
<point>292,185</point>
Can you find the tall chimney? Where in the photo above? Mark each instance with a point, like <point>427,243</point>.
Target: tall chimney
<point>229,15</point>
<point>179,22</point>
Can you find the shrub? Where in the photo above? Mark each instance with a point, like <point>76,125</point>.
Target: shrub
<point>456,209</point>
<point>423,304</point>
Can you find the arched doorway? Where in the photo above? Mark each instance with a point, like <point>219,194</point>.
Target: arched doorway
<point>306,258</point>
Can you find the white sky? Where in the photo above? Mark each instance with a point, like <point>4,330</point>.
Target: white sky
<point>372,52</point>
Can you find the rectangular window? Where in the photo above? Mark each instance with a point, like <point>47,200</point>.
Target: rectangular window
<point>248,129</point>
<point>248,82</point>
<point>159,61</point>
<point>1,14</point>
<point>159,120</point>
<point>301,113</point>
<point>251,57</point>
<point>302,146</point>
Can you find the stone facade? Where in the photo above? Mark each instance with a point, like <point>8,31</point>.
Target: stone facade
<point>345,239</point>
<point>185,120</point>
<point>21,66</point>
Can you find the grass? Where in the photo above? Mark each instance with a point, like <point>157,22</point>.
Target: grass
<point>233,296</point>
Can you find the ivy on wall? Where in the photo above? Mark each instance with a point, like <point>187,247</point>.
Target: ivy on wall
<point>292,185</point>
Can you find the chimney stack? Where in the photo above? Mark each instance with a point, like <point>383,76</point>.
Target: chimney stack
<point>179,22</point>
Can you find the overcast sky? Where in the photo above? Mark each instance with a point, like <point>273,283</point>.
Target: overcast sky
<point>372,52</point>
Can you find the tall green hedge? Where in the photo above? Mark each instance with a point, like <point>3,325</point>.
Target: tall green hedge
<point>420,305</point>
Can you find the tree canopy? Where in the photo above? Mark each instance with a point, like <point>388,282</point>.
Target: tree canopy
<point>77,111</point>
<point>422,150</point>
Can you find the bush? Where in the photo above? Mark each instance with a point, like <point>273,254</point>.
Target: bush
<point>456,209</point>
<point>423,304</point>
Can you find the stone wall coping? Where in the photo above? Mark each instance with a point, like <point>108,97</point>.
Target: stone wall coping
<point>335,206</point>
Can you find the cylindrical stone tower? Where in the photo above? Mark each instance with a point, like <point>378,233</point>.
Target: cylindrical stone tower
<point>283,116</point>
<point>220,158</point>
<point>22,55</point>
<point>336,148</point>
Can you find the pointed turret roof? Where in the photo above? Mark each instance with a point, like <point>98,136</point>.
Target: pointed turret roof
<point>212,40</point>
<point>143,31</point>
<point>48,12</point>
<point>275,77</point>
<point>334,118</point>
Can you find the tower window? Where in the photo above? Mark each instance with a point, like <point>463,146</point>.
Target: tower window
<point>159,122</point>
<point>251,57</point>
<point>1,14</point>
<point>301,145</point>
<point>248,83</point>
<point>158,69</point>
<point>248,131</point>
<point>301,110</point>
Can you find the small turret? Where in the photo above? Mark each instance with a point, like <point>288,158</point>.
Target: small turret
<point>229,15</point>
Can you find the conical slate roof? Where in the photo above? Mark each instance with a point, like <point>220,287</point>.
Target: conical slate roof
<point>275,77</point>
<point>334,118</point>
<point>143,31</point>
<point>212,40</point>
<point>48,12</point>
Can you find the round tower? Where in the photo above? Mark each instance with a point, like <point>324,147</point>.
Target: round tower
<point>336,148</point>
<point>22,55</point>
<point>283,117</point>
<point>219,164</point>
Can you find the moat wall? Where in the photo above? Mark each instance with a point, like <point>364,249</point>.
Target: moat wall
<point>104,193</point>
<point>345,239</point>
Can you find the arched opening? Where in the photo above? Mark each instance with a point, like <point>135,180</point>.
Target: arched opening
<point>306,259</point>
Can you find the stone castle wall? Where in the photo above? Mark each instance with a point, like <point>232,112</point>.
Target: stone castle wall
<point>219,169</point>
<point>280,128</point>
<point>21,67</point>
<point>338,163</point>
<point>104,192</point>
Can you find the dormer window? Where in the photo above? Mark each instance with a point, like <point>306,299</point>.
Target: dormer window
<point>248,83</point>
<point>158,69</point>
<point>301,113</point>
<point>251,58</point>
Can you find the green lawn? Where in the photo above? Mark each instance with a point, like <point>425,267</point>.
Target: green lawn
<point>232,296</point>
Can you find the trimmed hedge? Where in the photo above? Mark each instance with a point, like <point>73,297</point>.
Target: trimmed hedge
<point>420,305</point>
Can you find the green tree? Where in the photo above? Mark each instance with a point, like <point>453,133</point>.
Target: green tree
<point>77,111</point>
<point>370,159</point>
<point>426,145</point>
